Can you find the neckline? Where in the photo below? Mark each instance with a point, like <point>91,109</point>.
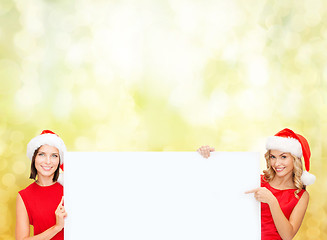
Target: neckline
<point>287,189</point>
<point>45,186</point>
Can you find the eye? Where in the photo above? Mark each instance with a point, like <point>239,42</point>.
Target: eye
<point>55,155</point>
<point>272,156</point>
<point>284,157</point>
<point>40,154</point>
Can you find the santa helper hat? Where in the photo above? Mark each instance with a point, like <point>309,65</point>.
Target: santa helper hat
<point>288,141</point>
<point>48,137</point>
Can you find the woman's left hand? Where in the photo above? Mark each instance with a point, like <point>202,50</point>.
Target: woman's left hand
<point>60,215</point>
<point>262,194</point>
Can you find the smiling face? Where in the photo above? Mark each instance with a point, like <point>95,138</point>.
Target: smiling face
<point>282,163</point>
<point>47,161</point>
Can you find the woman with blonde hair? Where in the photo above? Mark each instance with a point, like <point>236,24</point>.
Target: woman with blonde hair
<point>282,194</point>
<point>41,203</point>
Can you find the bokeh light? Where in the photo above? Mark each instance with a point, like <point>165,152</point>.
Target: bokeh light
<point>162,76</point>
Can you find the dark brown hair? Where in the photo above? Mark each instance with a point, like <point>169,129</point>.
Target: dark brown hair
<point>34,171</point>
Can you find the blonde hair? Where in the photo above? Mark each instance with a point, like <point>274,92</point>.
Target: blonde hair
<point>269,173</point>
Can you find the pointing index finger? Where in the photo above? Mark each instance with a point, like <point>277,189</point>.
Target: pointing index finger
<point>252,191</point>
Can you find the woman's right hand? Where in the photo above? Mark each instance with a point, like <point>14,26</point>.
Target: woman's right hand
<point>60,215</point>
<point>205,151</point>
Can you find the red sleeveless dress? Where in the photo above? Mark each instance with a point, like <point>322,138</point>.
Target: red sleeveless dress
<point>41,204</point>
<point>287,201</point>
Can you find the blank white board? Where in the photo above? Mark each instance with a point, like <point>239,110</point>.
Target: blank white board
<point>161,196</point>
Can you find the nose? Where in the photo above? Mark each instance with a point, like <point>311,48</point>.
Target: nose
<point>278,161</point>
<point>48,160</point>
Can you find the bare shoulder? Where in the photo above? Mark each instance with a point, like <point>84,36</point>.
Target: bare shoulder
<point>303,201</point>
<point>19,199</point>
<point>20,205</point>
<point>305,196</point>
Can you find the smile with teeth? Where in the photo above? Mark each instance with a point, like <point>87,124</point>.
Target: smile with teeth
<point>47,168</point>
<point>279,169</point>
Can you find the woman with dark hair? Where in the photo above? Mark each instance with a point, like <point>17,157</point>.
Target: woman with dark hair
<point>282,194</point>
<point>41,203</point>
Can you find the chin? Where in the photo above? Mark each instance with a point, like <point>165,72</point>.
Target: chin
<point>45,174</point>
<point>282,174</point>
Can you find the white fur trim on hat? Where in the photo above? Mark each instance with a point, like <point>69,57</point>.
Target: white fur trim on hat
<point>307,178</point>
<point>284,144</point>
<point>46,139</point>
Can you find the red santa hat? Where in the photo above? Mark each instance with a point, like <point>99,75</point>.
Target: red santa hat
<point>48,137</point>
<point>288,141</point>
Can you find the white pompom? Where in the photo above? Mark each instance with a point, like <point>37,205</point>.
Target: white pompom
<point>61,179</point>
<point>307,178</point>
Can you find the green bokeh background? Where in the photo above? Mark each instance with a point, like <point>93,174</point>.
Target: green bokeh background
<point>163,75</point>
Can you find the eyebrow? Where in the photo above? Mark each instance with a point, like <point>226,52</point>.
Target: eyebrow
<point>279,154</point>
<point>45,152</point>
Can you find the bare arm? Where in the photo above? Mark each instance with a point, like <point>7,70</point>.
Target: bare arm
<point>286,228</point>
<point>23,224</point>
